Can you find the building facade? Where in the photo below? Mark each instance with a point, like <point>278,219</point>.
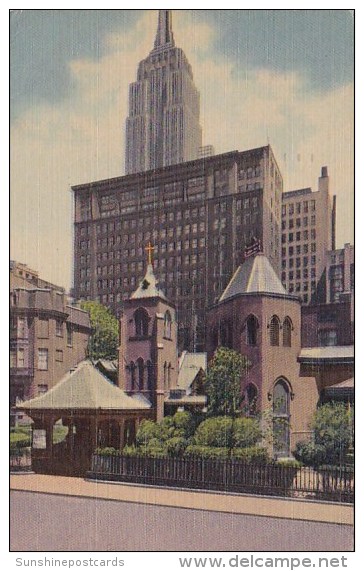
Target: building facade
<point>47,336</point>
<point>199,217</point>
<point>162,127</point>
<point>308,232</point>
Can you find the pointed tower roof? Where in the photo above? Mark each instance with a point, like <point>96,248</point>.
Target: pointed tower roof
<point>164,35</point>
<point>148,287</point>
<point>255,275</point>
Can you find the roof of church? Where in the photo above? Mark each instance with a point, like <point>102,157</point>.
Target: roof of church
<point>190,364</point>
<point>148,287</point>
<point>330,354</point>
<point>255,275</point>
<point>84,388</point>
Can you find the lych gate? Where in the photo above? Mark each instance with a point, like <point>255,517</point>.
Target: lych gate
<point>94,413</point>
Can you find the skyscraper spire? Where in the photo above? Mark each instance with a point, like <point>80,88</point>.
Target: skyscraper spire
<point>164,32</point>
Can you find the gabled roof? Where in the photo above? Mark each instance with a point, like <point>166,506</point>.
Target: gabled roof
<point>84,388</point>
<point>255,275</point>
<point>148,287</point>
<point>190,364</point>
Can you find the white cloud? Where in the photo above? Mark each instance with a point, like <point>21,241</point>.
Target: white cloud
<point>81,138</point>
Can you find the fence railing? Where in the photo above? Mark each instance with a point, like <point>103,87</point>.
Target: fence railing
<point>20,460</point>
<point>334,484</point>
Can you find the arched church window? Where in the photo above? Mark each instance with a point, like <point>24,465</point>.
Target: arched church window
<point>251,399</point>
<point>141,321</point>
<point>252,330</point>
<point>165,375</point>
<point>281,417</point>
<point>140,364</point>
<point>274,331</point>
<point>149,375</point>
<point>226,334</point>
<point>287,332</point>
<point>169,375</point>
<point>167,325</point>
<point>132,376</point>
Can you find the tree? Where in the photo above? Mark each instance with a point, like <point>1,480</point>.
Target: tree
<point>103,342</point>
<point>332,427</point>
<point>223,382</point>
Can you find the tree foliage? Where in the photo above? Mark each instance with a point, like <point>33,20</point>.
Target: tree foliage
<point>332,427</point>
<point>103,342</point>
<point>224,431</point>
<point>223,382</point>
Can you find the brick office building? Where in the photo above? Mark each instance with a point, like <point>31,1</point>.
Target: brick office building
<point>47,336</point>
<point>199,216</point>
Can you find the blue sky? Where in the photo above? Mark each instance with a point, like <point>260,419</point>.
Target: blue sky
<point>283,76</point>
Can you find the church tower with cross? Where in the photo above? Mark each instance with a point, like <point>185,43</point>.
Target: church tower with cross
<point>148,359</point>
<point>163,124</point>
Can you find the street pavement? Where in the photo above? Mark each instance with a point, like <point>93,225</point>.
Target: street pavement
<point>60,522</point>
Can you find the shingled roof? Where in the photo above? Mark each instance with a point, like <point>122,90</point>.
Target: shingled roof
<point>84,388</point>
<point>255,275</point>
<point>148,287</point>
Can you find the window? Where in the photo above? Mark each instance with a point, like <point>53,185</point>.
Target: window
<point>251,394</point>
<point>281,415</point>
<point>59,328</point>
<point>140,365</point>
<point>43,328</point>
<point>42,389</point>
<point>43,359</point>
<point>12,358</point>
<point>149,375</point>
<point>59,355</point>
<point>251,330</point>
<point>167,325</point>
<point>287,332</point>
<point>132,375</point>
<point>21,357</point>
<point>274,331</point>
<point>141,321</point>
<point>21,327</point>
<point>69,335</point>
<point>327,337</point>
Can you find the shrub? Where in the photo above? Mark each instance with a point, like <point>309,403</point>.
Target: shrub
<point>246,432</point>
<point>19,440</point>
<point>176,446</point>
<point>253,455</point>
<point>207,452</point>
<point>216,432</point>
<point>108,451</point>
<point>148,431</point>
<point>310,453</point>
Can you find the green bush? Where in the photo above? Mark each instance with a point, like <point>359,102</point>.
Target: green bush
<point>216,432</point>
<point>176,446</point>
<point>289,463</point>
<point>253,455</point>
<point>19,440</point>
<point>332,437</point>
<point>148,431</point>
<point>108,451</point>
<point>246,432</point>
<point>207,451</point>
<point>310,453</point>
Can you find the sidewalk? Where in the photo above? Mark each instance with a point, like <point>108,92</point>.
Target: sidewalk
<point>199,500</point>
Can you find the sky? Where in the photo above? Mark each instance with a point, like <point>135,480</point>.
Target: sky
<point>278,76</point>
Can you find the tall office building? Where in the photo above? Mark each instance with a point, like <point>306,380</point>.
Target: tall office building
<point>308,232</point>
<point>199,217</point>
<point>164,107</point>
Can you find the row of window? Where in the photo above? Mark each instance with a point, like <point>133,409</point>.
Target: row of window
<point>299,249</point>
<point>297,286</point>
<point>142,321</point>
<point>299,207</point>
<point>297,262</point>
<point>18,358</point>
<point>297,223</point>
<point>250,329</point>
<point>299,236</point>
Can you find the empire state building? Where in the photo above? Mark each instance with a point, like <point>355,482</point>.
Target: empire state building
<point>164,107</point>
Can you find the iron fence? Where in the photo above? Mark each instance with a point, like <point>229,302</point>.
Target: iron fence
<point>20,460</point>
<point>232,475</point>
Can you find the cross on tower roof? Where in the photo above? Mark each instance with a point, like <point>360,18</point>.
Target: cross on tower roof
<point>150,249</point>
